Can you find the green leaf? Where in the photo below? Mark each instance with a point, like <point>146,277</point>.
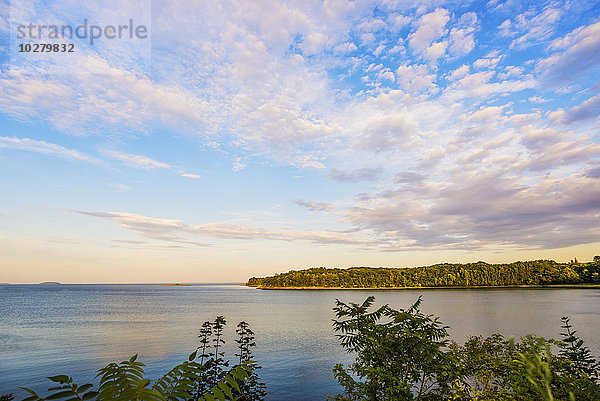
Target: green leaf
<point>225,389</point>
<point>29,391</point>
<point>209,397</point>
<point>232,382</point>
<point>60,394</point>
<point>59,378</point>
<point>218,393</point>
<point>84,388</point>
<point>90,395</point>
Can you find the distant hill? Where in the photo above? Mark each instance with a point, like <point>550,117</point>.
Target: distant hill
<point>49,283</point>
<point>535,273</point>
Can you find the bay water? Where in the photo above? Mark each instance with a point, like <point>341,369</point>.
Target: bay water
<point>76,329</point>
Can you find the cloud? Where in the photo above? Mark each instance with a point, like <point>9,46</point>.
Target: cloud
<point>135,161</point>
<point>416,77</point>
<point>505,28</point>
<point>430,27</point>
<point>362,174</point>
<point>191,175</point>
<point>587,110</point>
<point>593,172</point>
<point>462,36</point>
<point>385,132</point>
<point>459,73</point>
<point>45,148</point>
<point>481,85</point>
<point>482,210</point>
<point>95,97</point>
<point>315,206</point>
<point>486,62</point>
<point>432,158</point>
<point>487,114</point>
<point>538,99</point>
<point>468,149</point>
<point>581,53</point>
<point>397,22</point>
<point>408,177</point>
<point>531,28</point>
<point>523,119</point>
<point>346,47</point>
<point>174,230</point>
<point>238,165</point>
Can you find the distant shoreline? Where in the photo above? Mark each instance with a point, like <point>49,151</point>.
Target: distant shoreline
<point>572,286</point>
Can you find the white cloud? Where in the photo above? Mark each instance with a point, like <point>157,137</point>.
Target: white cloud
<point>486,62</point>
<point>415,77</point>
<point>238,165</point>
<point>430,27</point>
<point>487,114</point>
<point>346,47</point>
<point>135,161</point>
<point>533,28</point>
<point>436,50</point>
<point>506,28</point>
<point>582,54</point>
<point>315,206</point>
<point>538,99</point>
<point>462,36</point>
<point>96,96</point>
<point>42,147</point>
<point>191,175</point>
<point>362,174</point>
<point>262,79</point>
<point>587,110</point>
<point>459,73</point>
<point>398,22</point>
<point>175,230</point>
<point>582,33</point>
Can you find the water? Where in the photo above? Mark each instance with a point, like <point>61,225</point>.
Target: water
<point>76,329</point>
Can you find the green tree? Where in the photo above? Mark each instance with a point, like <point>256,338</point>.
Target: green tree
<point>252,389</point>
<point>399,354</point>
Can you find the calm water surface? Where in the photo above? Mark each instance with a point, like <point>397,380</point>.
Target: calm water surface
<point>76,329</point>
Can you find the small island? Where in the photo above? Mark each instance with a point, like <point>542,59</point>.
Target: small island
<point>49,283</point>
<point>176,285</point>
<point>537,273</point>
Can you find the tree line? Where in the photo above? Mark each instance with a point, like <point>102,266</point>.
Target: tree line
<point>537,272</point>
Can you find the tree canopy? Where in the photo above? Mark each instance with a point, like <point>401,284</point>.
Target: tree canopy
<point>537,272</point>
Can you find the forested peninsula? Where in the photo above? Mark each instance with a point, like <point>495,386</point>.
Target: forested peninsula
<point>479,274</point>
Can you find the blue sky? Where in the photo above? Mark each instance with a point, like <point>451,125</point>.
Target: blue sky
<point>247,138</point>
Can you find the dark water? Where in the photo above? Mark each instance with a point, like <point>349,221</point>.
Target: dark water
<point>76,329</point>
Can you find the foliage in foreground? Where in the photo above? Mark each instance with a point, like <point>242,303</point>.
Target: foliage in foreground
<point>203,377</point>
<point>406,355</point>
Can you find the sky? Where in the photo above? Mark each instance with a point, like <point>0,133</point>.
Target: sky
<point>245,138</point>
